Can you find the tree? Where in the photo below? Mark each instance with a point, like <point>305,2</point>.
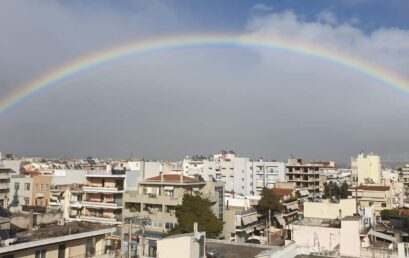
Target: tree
<point>269,201</point>
<point>385,214</point>
<point>197,209</point>
<point>343,191</point>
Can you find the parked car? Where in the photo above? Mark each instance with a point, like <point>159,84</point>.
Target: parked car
<point>213,253</point>
<point>253,241</point>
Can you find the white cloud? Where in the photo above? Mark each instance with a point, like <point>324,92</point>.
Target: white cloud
<point>327,17</point>
<point>387,47</point>
<point>261,7</point>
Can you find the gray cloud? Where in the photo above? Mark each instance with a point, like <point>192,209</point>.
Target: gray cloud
<point>171,103</point>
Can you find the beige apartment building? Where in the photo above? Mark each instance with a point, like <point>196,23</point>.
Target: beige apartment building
<point>376,196</point>
<point>305,176</point>
<point>85,244</point>
<point>156,200</point>
<point>102,200</point>
<point>41,194</point>
<point>366,169</point>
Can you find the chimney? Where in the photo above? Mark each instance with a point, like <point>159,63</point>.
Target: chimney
<point>162,177</point>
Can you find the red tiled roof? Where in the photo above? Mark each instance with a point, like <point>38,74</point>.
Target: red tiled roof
<point>380,188</point>
<point>282,191</point>
<point>172,178</point>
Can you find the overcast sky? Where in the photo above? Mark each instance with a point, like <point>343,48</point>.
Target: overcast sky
<point>169,104</point>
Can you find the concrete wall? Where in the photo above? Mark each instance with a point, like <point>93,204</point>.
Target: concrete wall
<point>327,210</point>
<point>66,177</point>
<point>22,220</point>
<point>166,247</point>
<point>315,236</point>
<point>350,243</point>
<point>74,248</point>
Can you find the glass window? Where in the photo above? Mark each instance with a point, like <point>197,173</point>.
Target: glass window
<point>27,186</point>
<point>90,247</point>
<point>41,253</point>
<point>16,186</point>
<point>61,251</point>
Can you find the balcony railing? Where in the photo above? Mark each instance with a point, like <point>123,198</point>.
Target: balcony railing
<point>99,189</point>
<point>115,219</point>
<point>102,204</point>
<point>36,209</point>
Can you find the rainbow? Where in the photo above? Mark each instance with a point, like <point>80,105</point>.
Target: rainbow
<point>21,93</point>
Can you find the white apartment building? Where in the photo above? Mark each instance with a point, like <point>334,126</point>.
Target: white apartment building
<point>4,186</point>
<point>241,175</point>
<point>366,169</point>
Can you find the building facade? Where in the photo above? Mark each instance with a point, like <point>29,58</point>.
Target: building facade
<point>306,177</point>
<point>366,169</point>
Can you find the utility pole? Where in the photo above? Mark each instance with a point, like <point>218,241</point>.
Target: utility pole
<point>130,239</point>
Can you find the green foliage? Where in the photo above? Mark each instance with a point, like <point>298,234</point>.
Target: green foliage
<point>385,214</point>
<point>343,191</point>
<point>269,201</point>
<point>197,209</point>
<point>333,190</point>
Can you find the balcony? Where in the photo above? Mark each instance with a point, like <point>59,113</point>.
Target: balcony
<point>75,204</point>
<point>102,204</point>
<point>101,189</point>
<point>54,203</point>
<point>36,209</point>
<point>4,186</point>
<point>115,219</point>
<point>2,177</point>
<point>39,195</point>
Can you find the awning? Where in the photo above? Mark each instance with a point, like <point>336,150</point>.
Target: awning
<point>304,193</point>
<point>169,188</point>
<point>249,230</point>
<point>292,206</point>
<point>280,220</point>
<point>249,219</point>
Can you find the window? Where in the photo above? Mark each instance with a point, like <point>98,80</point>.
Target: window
<point>61,251</point>
<point>383,205</point>
<point>89,247</point>
<point>41,253</point>
<point>16,186</point>
<point>27,186</point>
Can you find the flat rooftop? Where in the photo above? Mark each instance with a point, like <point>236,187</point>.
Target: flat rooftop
<point>55,230</point>
<point>236,250</point>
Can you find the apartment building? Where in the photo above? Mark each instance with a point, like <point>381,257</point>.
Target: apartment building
<point>290,203</point>
<point>41,194</point>
<point>305,176</point>
<point>242,175</point>
<point>404,177</point>
<point>366,169</point>
<point>241,221</point>
<point>376,196</point>
<point>4,186</point>
<point>68,240</point>
<point>21,192</point>
<point>102,200</point>
<point>156,199</point>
